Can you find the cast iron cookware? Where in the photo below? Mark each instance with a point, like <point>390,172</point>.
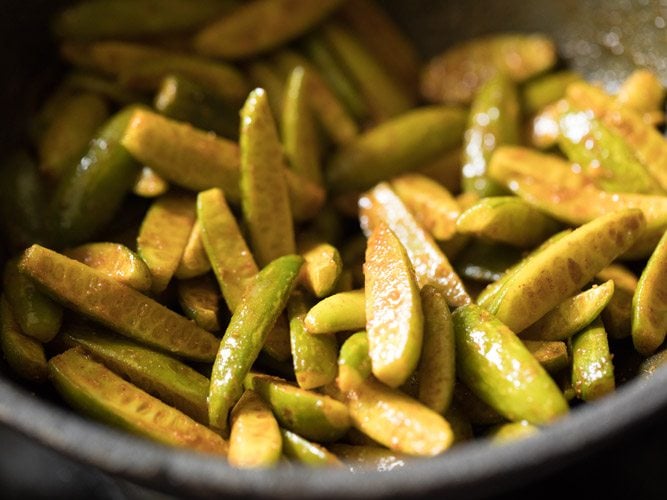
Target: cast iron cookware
<point>603,39</point>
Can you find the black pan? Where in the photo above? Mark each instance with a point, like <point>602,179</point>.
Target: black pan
<point>602,39</point>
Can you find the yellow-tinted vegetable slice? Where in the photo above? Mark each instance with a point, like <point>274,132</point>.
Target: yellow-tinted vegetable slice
<point>647,143</point>
<point>200,300</point>
<point>493,362</point>
<point>143,67</point>
<point>643,92</point>
<point>592,368</point>
<point>649,303</point>
<point>507,219</point>
<point>24,355</point>
<point>397,146</point>
<point>194,261</point>
<point>512,431</point>
<point>264,195</point>
<point>255,439</point>
<point>571,315</point>
<point>38,316</point>
<point>339,312</point>
<point>314,416</point>
<point>68,134</point>
<point>564,267</point>
<point>394,320</point>
<point>116,260</point>
<point>551,184</point>
<point>382,205</point>
<point>385,95</point>
<point>246,333</point>
<point>397,421</point>
<point>100,393</point>
<point>437,364</point>
<point>617,316</point>
<point>299,134</point>
<point>134,18</point>
<point>321,268</point>
<point>431,204</point>
<point>259,26</point>
<point>163,235</point>
<point>230,257</point>
<point>551,354</point>
<point>362,458</point>
<point>313,356</point>
<point>164,377</point>
<point>456,74</point>
<point>336,121</point>
<point>309,454</point>
<point>183,155</point>
<point>493,121</point>
<point>115,305</point>
<point>385,39</point>
<point>149,184</point>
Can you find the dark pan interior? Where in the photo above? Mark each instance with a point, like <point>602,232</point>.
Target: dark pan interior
<point>602,39</point>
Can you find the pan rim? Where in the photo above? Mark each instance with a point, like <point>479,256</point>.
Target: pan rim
<point>470,468</point>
